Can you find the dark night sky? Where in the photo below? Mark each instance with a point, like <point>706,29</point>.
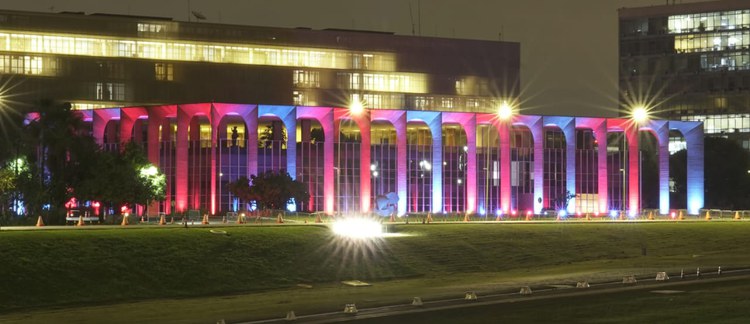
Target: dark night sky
<point>568,47</point>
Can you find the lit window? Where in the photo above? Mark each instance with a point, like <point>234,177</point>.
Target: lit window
<point>164,71</point>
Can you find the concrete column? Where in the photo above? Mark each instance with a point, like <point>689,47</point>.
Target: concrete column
<point>661,130</point>
<point>181,161</point>
<point>471,165</point>
<point>634,202</point>
<point>400,124</point>
<point>436,130</point>
<point>365,185</point>
<point>600,132</point>
<point>251,120</point>
<point>693,133</point>
<point>504,130</point>
<point>568,127</point>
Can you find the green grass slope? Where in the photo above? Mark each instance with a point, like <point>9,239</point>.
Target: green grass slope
<point>74,267</point>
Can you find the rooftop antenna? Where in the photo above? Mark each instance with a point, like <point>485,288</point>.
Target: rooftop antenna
<point>419,15</point>
<point>411,16</point>
<point>198,15</point>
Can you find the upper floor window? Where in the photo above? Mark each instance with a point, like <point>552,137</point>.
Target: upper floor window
<point>145,28</point>
<point>164,71</point>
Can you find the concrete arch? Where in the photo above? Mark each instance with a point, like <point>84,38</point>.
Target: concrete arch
<point>568,127</point>
<point>693,133</point>
<point>536,126</point>
<point>599,126</point>
<point>397,118</point>
<point>363,123</point>
<point>325,117</point>
<point>433,121</point>
<point>468,121</point>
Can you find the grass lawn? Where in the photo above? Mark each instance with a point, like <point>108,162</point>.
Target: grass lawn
<point>173,274</point>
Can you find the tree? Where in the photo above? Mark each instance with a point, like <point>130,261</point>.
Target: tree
<point>120,178</point>
<point>270,190</point>
<point>58,148</point>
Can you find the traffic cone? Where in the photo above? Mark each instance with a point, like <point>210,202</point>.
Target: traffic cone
<point>429,218</point>
<point>651,215</point>
<point>205,219</point>
<point>680,216</point>
<point>393,218</point>
<point>124,220</point>
<point>290,316</point>
<point>736,215</point>
<point>142,220</point>
<point>708,215</point>
<point>171,220</point>
<point>39,222</point>
<point>162,221</point>
<point>240,219</point>
<point>318,219</point>
<point>80,221</point>
<point>279,219</point>
<point>466,217</point>
<point>224,220</point>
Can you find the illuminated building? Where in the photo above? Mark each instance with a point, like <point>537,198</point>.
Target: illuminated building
<point>485,163</point>
<point>104,60</point>
<point>690,62</point>
<point>428,130</point>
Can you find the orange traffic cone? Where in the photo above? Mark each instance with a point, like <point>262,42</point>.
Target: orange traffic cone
<point>205,219</point>
<point>279,219</point>
<point>466,217</point>
<point>318,219</point>
<point>708,215</point>
<point>393,218</point>
<point>142,221</point>
<point>651,215</point>
<point>680,216</point>
<point>162,221</point>
<point>736,215</point>
<point>171,220</point>
<point>429,218</point>
<point>240,219</point>
<point>124,220</point>
<point>224,219</point>
<point>39,222</point>
<point>80,221</point>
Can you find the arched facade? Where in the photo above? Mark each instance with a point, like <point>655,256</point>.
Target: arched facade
<point>171,123</point>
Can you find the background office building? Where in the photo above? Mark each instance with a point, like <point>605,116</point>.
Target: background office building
<point>689,62</point>
<point>104,60</point>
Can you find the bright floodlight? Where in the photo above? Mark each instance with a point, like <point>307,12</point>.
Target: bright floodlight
<point>640,114</point>
<point>149,171</point>
<point>357,228</point>
<point>505,111</point>
<point>356,107</point>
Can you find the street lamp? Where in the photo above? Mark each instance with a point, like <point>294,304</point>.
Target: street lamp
<point>639,114</point>
<point>505,111</point>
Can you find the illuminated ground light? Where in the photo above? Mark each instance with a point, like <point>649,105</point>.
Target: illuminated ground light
<point>613,213</point>
<point>357,228</point>
<point>562,213</point>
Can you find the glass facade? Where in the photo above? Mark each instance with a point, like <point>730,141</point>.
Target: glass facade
<point>94,61</point>
<point>692,61</point>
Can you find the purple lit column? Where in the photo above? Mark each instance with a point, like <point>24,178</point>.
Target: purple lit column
<point>693,133</point>
<point>536,126</point>
<point>363,123</point>
<point>568,127</point>
<point>324,115</point>
<point>631,133</point>
<point>600,132</point>
<point>468,122</point>
<point>433,120</point>
<point>660,128</point>
<point>181,161</point>
<point>504,129</point>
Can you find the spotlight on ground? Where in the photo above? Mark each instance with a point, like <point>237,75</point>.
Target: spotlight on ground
<point>357,228</point>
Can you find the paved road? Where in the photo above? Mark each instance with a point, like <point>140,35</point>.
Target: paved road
<point>515,297</point>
